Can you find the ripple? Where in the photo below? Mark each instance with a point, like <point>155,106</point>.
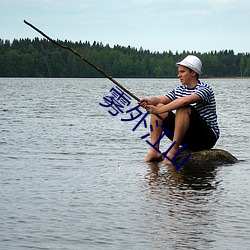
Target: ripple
<point>61,185</point>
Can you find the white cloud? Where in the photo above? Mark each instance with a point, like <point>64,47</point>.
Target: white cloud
<point>152,24</point>
<point>222,2</point>
<point>84,6</point>
<point>149,2</point>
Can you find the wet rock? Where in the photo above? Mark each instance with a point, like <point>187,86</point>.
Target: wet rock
<point>206,157</point>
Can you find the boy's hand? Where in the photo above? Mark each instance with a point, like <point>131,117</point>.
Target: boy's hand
<point>144,102</point>
<point>152,109</point>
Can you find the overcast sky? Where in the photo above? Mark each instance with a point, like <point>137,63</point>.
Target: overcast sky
<point>157,25</point>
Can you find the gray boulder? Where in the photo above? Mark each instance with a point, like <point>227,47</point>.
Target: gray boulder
<point>206,157</point>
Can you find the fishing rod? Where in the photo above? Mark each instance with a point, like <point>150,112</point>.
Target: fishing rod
<point>87,61</point>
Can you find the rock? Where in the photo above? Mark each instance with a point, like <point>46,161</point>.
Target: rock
<point>206,157</point>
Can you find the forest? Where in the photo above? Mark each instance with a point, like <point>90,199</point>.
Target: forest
<point>41,58</point>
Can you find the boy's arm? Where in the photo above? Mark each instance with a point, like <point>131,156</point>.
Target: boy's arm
<point>154,101</point>
<point>176,104</point>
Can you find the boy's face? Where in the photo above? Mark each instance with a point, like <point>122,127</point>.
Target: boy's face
<point>185,75</point>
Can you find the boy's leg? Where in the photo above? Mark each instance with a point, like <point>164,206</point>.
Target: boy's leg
<point>199,135</point>
<point>181,126</point>
<point>154,136</point>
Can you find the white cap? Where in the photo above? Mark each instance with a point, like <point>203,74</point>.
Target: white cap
<point>191,62</point>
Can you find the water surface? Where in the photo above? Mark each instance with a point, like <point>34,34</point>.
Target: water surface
<point>72,176</point>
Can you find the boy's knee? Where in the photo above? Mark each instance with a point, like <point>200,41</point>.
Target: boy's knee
<point>184,110</point>
<point>163,115</point>
<point>159,105</point>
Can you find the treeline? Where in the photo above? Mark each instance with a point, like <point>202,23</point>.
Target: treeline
<point>41,58</point>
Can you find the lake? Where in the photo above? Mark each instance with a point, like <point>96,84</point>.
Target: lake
<point>72,175</point>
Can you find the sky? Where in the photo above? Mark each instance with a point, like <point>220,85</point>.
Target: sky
<point>155,25</point>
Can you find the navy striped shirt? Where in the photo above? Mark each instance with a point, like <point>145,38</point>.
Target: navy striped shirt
<point>206,108</point>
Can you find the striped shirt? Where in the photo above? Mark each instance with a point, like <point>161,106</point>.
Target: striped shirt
<point>206,108</point>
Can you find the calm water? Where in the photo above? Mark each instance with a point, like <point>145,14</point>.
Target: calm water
<point>72,176</point>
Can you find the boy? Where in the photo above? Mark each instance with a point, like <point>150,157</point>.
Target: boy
<point>195,120</point>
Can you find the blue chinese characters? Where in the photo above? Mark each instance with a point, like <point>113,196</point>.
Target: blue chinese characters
<point>117,103</point>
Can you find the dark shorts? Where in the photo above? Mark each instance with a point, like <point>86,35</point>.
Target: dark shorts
<point>199,135</point>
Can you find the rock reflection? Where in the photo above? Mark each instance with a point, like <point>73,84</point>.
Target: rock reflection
<point>183,203</point>
<point>192,177</point>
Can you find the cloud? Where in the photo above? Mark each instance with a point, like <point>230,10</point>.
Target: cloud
<point>148,2</point>
<point>152,24</point>
<point>83,6</point>
<point>225,5</point>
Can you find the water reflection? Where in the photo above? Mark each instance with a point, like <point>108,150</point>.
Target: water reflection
<point>183,203</point>
<point>191,177</point>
